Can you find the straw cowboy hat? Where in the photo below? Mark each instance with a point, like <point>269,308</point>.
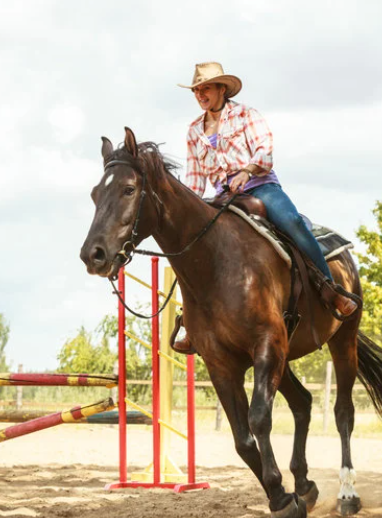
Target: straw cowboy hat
<point>212,72</point>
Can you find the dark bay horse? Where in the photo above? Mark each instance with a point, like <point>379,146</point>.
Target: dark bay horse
<point>235,288</point>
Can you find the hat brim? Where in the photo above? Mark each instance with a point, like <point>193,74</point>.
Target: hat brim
<point>232,83</point>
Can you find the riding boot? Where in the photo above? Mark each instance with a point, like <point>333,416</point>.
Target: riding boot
<point>345,306</point>
<point>183,346</point>
<point>341,303</point>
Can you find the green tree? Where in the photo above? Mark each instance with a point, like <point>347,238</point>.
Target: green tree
<point>80,355</point>
<point>371,277</point>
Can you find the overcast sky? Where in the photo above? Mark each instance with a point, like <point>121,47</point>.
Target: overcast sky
<point>75,70</point>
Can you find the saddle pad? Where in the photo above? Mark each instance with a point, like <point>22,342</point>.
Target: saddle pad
<point>331,243</point>
<point>262,226</point>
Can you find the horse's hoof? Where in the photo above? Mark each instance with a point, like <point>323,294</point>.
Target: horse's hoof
<point>295,509</point>
<point>310,498</point>
<point>348,506</point>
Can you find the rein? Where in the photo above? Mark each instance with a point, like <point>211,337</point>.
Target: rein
<point>199,235</point>
<point>128,256</point>
<point>140,315</point>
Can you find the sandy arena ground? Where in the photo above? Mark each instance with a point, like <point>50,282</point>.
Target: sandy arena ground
<point>61,472</point>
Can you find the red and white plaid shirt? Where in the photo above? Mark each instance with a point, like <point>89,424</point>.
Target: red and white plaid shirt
<point>243,138</point>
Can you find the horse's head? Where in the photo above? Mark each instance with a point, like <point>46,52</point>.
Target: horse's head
<point>126,209</point>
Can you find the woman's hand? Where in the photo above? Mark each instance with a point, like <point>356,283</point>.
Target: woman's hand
<point>239,181</point>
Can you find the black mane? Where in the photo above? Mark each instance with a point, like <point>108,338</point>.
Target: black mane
<point>149,158</point>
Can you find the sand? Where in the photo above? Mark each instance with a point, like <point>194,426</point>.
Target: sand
<point>61,472</point>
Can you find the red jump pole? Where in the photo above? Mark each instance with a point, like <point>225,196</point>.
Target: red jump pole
<point>121,386</point>
<point>192,484</point>
<point>67,416</point>
<point>191,418</point>
<point>55,380</point>
<point>122,378</point>
<point>155,365</point>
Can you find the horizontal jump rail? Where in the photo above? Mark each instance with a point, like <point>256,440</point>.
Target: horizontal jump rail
<point>67,416</point>
<point>72,380</point>
<point>112,417</point>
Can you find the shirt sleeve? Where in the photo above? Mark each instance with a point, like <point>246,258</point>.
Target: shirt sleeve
<point>195,179</point>
<point>260,140</point>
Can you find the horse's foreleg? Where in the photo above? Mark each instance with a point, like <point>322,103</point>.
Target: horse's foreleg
<point>300,402</point>
<point>230,390</point>
<point>344,352</point>
<point>269,363</point>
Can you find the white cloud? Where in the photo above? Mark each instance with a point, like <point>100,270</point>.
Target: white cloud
<point>68,122</point>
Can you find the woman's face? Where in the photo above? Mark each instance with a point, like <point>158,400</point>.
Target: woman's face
<point>210,97</point>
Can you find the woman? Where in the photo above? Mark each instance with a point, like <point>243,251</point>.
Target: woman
<point>231,143</point>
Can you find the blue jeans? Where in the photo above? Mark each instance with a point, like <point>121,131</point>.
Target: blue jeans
<point>283,214</point>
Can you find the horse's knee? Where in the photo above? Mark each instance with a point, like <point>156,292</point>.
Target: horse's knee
<point>302,413</point>
<point>245,445</point>
<point>260,420</point>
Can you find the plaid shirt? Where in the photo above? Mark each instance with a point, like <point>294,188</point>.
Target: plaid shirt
<point>243,138</point>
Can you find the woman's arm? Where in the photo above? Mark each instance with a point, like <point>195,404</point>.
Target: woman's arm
<point>260,141</point>
<point>195,179</point>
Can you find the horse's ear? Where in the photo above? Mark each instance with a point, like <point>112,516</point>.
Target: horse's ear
<point>131,143</point>
<point>107,147</point>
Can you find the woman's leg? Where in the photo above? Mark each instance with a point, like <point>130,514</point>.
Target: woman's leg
<point>284,215</point>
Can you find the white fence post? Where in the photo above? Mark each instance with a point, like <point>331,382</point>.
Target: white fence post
<point>328,386</point>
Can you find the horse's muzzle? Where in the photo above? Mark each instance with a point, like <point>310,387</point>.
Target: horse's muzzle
<point>95,258</point>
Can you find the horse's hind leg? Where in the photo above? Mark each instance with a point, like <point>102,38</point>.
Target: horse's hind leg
<point>343,347</point>
<point>269,364</point>
<point>300,402</point>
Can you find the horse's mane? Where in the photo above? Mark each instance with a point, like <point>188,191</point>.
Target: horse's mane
<point>149,158</point>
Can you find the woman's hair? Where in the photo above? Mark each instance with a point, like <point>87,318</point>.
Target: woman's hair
<point>219,85</point>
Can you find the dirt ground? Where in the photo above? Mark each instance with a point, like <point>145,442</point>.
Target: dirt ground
<point>62,472</point>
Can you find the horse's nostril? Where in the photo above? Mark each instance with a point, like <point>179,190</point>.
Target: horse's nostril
<point>98,255</point>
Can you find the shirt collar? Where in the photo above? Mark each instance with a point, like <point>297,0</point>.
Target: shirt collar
<point>199,122</point>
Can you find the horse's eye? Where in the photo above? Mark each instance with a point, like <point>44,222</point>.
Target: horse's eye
<point>128,190</point>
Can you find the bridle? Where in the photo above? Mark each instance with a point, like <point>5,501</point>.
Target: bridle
<point>131,242</point>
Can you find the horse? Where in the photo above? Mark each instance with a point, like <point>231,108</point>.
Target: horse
<point>235,289</point>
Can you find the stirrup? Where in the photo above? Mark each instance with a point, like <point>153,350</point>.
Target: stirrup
<point>181,346</point>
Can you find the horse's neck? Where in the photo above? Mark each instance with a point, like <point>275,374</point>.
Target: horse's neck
<point>184,215</point>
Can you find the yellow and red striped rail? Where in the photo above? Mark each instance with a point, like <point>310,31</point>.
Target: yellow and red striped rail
<point>74,380</point>
<point>67,416</point>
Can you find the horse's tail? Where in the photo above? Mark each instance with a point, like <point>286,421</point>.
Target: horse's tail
<point>370,369</point>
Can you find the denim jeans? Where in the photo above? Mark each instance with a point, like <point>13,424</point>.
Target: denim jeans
<point>283,214</point>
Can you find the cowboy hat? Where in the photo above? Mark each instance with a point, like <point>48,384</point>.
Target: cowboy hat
<point>212,72</point>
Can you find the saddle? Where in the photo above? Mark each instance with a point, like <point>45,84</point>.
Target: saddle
<point>245,202</point>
